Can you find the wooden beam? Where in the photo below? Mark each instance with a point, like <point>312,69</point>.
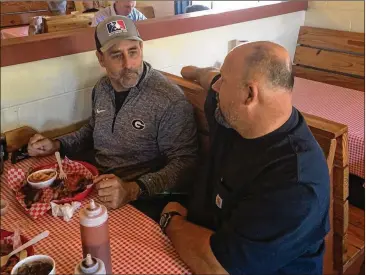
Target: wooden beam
<point>329,78</point>
<point>332,39</point>
<point>67,24</point>
<point>22,6</point>
<point>340,251</point>
<point>340,219</point>
<point>324,126</point>
<point>342,153</point>
<point>17,19</point>
<point>341,182</point>
<point>332,61</point>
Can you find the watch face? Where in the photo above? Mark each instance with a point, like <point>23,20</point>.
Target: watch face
<point>163,220</point>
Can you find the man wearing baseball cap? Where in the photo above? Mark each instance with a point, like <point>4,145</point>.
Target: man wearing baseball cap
<point>142,128</point>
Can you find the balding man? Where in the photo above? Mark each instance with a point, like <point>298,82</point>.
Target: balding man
<point>124,8</point>
<point>263,207</point>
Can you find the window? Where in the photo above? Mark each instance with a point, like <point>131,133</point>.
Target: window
<point>233,5</point>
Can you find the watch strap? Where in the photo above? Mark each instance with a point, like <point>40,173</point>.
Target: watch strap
<point>167,218</point>
<point>143,190</point>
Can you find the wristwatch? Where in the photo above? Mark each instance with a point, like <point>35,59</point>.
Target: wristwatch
<point>166,218</point>
<point>143,191</point>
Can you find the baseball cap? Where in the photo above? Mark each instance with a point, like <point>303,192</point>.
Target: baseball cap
<point>114,29</point>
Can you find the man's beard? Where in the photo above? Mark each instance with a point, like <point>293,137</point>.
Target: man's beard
<point>129,78</point>
<point>220,118</point>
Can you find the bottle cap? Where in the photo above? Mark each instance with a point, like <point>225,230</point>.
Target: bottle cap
<point>93,215</point>
<point>89,265</point>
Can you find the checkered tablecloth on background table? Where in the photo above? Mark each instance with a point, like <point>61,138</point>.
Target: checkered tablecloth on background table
<point>342,105</point>
<point>137,243</point>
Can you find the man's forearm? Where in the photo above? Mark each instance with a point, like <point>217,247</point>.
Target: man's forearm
<point>203,76</point>
<point>192,243</point>
<point>77,141</point>
<point>174,173</point>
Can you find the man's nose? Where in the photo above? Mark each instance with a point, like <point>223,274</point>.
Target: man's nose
<point>128,63</point>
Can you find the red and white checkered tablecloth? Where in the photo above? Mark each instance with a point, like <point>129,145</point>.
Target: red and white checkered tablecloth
<point>137,243</point>
<point>342,105</point>
<point>14,32</point>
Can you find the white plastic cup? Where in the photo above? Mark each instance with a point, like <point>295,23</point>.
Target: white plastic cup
<point>35,258</point>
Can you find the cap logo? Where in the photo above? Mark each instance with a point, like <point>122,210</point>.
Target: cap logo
<point>116,27</point>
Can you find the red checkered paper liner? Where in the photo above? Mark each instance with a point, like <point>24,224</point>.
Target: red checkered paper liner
<point>16,178</point>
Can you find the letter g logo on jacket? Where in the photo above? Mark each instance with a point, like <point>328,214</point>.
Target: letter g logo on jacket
<point>138,124</point>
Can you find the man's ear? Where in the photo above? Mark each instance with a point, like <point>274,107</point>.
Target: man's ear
<point>252,94</point>
<point>141,45</point>
<point>100,57</point>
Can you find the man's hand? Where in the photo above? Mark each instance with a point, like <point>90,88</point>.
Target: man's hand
<point>174,206</point>
<point>114,192</point>
<point>39,145</point>
<point>192,242</point>
<point>190,72</point>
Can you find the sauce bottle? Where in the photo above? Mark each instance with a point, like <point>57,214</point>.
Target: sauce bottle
<point>90,265</point>
<point>95,234</point>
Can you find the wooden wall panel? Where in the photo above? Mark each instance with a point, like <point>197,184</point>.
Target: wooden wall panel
<point>330,78</point>
<point>332,61</point>
<point>332,39</point>
<point>23,6</point>
<point>17,19</point>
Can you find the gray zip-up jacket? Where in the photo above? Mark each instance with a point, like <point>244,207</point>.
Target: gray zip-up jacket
<point>152,138</point>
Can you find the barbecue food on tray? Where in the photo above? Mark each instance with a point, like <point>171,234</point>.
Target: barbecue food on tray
<point>42,176</point>
<point>32,195</point>
<point>61,189</point>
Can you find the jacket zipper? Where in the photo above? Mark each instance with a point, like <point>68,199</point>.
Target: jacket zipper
<point>115,112</point>
<point>114,120</point>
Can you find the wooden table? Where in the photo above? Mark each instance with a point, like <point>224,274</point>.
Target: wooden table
<point>137,243</point>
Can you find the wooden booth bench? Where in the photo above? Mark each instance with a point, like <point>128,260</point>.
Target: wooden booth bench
<point>334,61</point>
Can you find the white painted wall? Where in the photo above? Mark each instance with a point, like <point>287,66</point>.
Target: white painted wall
<point>336,15</point>
<point>56,92</point>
